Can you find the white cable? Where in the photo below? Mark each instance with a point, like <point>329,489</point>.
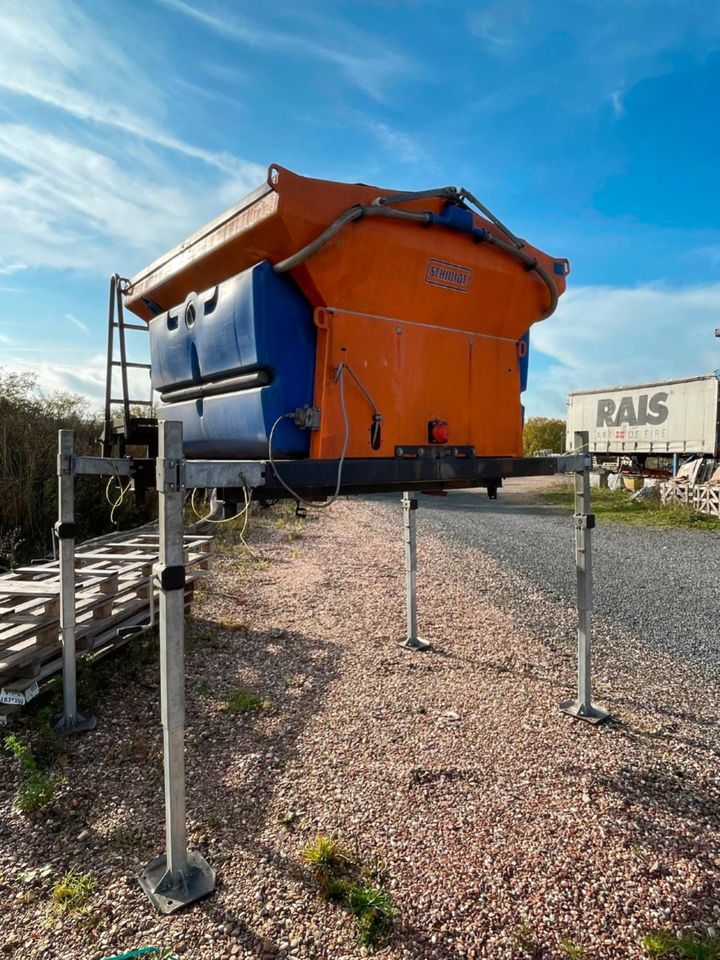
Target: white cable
<point>340,378</point>
<point>116,504</point>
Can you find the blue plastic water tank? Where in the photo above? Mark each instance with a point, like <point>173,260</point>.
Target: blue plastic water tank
<point>230,360</point>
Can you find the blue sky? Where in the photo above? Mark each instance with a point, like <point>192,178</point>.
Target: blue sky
<point>590,128</point>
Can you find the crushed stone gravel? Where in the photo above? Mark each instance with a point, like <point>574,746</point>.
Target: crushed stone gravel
<point>505,828</point>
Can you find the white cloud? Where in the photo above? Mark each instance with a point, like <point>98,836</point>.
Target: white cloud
<point>402,146</point>
<point>616,99</point>
<point>67,205</point>
<point>8,266</point>
<point>78,323</point>
<point>606,336</point>
<point>54,54</point>
<point>86,379</point>
<point>365,60</point>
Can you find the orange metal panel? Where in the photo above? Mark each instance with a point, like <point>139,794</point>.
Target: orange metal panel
<point>415,374</point>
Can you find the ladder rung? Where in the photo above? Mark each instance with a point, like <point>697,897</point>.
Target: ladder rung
<point>141,366</point>
<point>130,326</point>
<point>133,403</point>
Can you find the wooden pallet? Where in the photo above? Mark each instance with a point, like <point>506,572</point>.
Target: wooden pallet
<point>674,493</point>
<point>113,590</point>
<point>706,498</point>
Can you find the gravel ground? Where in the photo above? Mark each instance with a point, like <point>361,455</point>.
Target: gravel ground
<point>504,826</point>
<point>663,585</point>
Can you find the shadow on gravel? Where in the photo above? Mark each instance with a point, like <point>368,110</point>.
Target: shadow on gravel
<point>116,773</point>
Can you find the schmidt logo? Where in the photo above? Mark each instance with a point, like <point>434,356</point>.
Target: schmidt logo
<point>450,275</point>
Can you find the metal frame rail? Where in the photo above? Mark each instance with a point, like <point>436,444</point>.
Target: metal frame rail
<point>180,876</point>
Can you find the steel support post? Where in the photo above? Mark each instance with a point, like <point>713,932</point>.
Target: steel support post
<point>70,720</point>
<point>178,877</point>
<point>412,640</point>
<point>584,520</point>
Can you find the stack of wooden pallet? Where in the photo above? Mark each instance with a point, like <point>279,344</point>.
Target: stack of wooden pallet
<point>113,593</point>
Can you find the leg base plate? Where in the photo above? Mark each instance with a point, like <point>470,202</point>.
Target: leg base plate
<point>168,894</point>
<point>415,643</point>
<point>81,723</point>
<point>594,714</point>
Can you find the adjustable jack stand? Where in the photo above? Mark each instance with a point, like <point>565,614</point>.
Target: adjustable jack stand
<point>412,641</point>
<point>583,708</point>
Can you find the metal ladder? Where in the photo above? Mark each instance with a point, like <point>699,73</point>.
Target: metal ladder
<point>127,429</point>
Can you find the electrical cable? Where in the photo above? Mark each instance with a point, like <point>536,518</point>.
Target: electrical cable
<point>244,511</point>
<point>116,504</point>
<point>340,380</point>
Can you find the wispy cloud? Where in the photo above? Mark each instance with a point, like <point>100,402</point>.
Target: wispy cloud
<point>66,205</point>
<point>400,145</point>
<point>4,339</point>
<point>78,323</point>
<point>9,266</point>
<point>54,54</point>
<point>366,61</point>
<point>601,336</point>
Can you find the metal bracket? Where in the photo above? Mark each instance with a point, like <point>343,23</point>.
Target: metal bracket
<point>65,530</point>
<point>66,464</point>
<point>173,473</point>
<point>170,578</point>
<point>584,521</point>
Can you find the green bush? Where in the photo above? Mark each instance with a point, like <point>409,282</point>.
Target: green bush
<point>29,423</point>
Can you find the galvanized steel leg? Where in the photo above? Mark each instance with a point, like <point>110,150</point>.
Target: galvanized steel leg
<point>178,877</point>
<point>69,721</point>
<point>412,641</point>
<point>583,707</point>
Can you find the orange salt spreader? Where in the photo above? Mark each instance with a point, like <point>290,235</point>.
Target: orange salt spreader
<point>318,320</point>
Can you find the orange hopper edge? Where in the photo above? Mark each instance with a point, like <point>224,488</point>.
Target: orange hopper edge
<point>428,320</point>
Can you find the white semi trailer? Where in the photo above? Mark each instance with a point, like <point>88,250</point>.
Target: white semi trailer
<point>650,419</point>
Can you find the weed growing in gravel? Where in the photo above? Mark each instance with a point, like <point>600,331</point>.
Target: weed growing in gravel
<point>288,818</point>
<point>341,877</point>
<point>203,689</point>
<point>524,939</point>
<point>245,701</point>
<point>327,855</point>
<point>72,892</point>
<point>574,950</point>
<point>689,946</point>
<point>373,910</point>
<point>36,788</point>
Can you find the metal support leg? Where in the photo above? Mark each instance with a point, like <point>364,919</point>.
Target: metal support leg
<point>412,641</point>
<point>69,721</point>
<point>583,707</point>
<point>178,877</point>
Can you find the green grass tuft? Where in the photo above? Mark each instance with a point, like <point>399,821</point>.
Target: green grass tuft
<point>688,946</point>
<point>373,910</point>
<point>574,950</point>
<point>245,701</point>
<point>72,892</point>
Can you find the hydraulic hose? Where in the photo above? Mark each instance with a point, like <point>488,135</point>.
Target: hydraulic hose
<point>356,212</point>
<point>384,207</point>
